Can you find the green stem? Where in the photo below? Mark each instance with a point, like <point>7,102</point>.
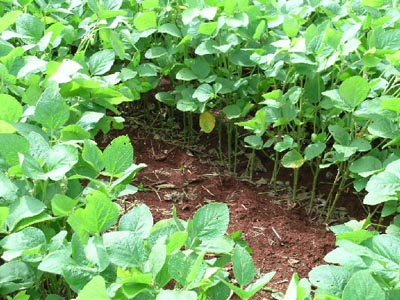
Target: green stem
<point>235,153</point>
<point>333,188</point>
<point>295,184</point>
<point>275,172</point>
<point>252,159</point>
<point>337,196</point>
<point>314,186</point>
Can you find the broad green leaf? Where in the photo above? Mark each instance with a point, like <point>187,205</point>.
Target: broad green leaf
<point>60,160</point>
<point>176,241</point>
<point>385,183</point>
<point>96,253</point>
<point>117,44</point>
<point>340,134</point>
<point>208,28</point>
<point>74,132</point>
<point>62,205</point>
<point>290,26</point>
<point>155,52</point>
<point>118,156</point>
<point>386,245</point>
<point>145,20</point>
<point>17,243</point>
<point>298,290</point>
<point>31,65</point>
<point>9,19</point>
<point>16,275</point>
<point>292,159</point>
<point>171,29</point>
<point>259,30</point>
<point>243,266</point>
<point>30,26</point>
<point>99,215</point>
<point>93,155</point>
<point>176,295</point>
<point>179,266</point>
<point>90,119</point>
<point>78,276</point>
<point>204,92</point>
<point>232,111</point>
<point>101,62</point>
<point>51,110</point>
<point>362,286</point>
<point>314,150</point>
<point>10,108</point>
<point>24,207</point>
<point>185,74</point>
<point>354,91</point>
<point>65,71</point>
<point>332,279</point>
<point>366,166</point>
<point>94,289</point>
<point>254,141</point>
<point>210,221</point>
<point>391,104</point>
<point>125,249</point>
<point>8,190</point>
<point>287,143</point>
<point>39,146</point>
<point>157,257</point>
<point>6,127</point>
<point>11,145</point>
<point>139,220</point>
<point>207,122</point>
<point>4,212</point>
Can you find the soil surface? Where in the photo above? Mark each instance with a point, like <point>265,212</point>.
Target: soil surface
<point>282,237</point>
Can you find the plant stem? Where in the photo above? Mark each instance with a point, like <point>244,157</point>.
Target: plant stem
<point>314,186</point>
<point>295,184</point>
<point>337,196</point>
<point>275,172</point>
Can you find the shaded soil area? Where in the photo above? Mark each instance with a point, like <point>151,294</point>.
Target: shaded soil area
<point>282,237</point>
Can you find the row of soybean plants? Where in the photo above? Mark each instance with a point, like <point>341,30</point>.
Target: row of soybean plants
<point>65,66</point>
<point>312,83</point>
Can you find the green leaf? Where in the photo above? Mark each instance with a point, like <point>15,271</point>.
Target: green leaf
<point>362,286</point>
<point>287,143</point>
<point>354,91</point>
<point>157,257</point>
<point>176,295</point>
<point>243,266</point>
<point>204,92</point>
<point>30,26</point>
<point>24,207</point>
<point>65,71</point>
<point>9,19</point>
<point>93,155</point>
<point>314,150</point>
<point>176,241</point>
<point>254,141</point>
<point>101,62</point>
<point>74,132</point>
<point>331,279</point>
<point>10,109</point>
<point>97,254</point>
<point>51,110</point>
<point>366,166</point>
<point>99,215</point>
<point>386,245</point>
<point>62,205</point>
<point>118,156</point>
<point>94,289</point>
<point>210,221</point>
<point>11,145</point>
<point>145,20</point>
<point>170,29</point>
<point>8,190</point>
<point>290,26</point>
<point>340,134</point>
<point>186,74</point>
<point>16,275</point>
<point>391,104</point>
<point>4,212</point>
<point>208,28</point>
<point>60,160</point>
<point>139,220</point>
<point>155,52</point>
<point>125,249</point>
<point>292,159</point>
<point>16,244</point>
<point>232,111</point>
<point>259,30</point>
